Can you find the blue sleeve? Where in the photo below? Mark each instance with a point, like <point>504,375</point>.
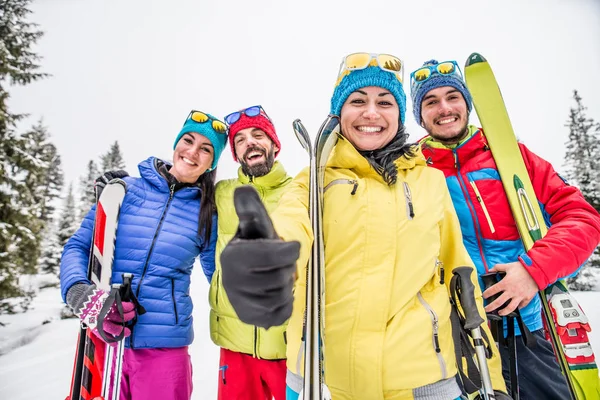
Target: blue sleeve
<point>207,255</point>
<point>75,255</point>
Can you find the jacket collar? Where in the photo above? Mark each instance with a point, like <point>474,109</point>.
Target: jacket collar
<point>438,154</point>
<point>274,178</point>
<point>346,156</point>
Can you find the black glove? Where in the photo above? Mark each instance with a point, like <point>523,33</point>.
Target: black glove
<point>101,181</point>
<point>258,267</point>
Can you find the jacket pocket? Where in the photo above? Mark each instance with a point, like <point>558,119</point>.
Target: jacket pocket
<point>174,301</point>
<point>352,182</point>
<point>435,335</point>
<point>483,206</point>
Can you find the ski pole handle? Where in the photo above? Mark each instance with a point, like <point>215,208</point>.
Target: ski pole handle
<point>467,297</point>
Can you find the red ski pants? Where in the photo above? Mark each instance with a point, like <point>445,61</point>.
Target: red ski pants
<point>243,377</point>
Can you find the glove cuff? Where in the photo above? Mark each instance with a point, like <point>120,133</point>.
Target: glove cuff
<point>86,302</point>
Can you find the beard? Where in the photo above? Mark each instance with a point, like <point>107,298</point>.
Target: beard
<point>454,139</point>
<point>262,168</point>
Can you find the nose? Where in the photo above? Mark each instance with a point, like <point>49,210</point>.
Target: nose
<point>371,111</point>
<point>444,107</point>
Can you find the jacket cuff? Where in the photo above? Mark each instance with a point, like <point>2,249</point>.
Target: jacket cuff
<point>538,276</point>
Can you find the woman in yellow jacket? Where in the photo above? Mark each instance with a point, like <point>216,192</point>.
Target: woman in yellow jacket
<point>391,234</point>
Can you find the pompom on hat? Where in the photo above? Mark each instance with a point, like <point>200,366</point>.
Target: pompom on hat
<point>418,90</point>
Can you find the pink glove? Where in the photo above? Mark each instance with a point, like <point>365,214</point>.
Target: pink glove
<point>113,323</point>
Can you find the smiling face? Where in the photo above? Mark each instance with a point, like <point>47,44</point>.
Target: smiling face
<point>444,115</point>
<point>255,151</point>
<point>193,155</point>
<point>369,118</point>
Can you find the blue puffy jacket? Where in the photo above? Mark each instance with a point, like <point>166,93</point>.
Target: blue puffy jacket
<point>157,241</point>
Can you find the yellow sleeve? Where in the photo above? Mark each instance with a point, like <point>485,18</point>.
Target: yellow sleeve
<point>454,254</point>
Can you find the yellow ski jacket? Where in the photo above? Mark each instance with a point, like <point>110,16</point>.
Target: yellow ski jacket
<point>385,248</point>
<point>226,330</point>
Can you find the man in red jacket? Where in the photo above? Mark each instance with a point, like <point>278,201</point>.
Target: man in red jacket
<point>441,105</point>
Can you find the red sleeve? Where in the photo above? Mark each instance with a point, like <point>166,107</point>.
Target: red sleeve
<point>575,230</point>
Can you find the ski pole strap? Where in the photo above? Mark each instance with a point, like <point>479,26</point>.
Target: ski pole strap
<point>463,349</point>
<point>114,298</point>
<point>127,295</point>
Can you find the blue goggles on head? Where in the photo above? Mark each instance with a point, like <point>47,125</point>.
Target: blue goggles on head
<point>250,112</point>
<point>422,74</point>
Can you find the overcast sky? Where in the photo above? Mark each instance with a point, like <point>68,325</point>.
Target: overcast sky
<point>130,70</point>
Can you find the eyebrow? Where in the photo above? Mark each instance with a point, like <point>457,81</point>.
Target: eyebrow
<point>445,94</point>
<point>365,93</point>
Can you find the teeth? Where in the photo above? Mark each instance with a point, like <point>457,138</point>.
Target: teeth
<point>369,129</point>
<point>254,153</point>
<point>188,161</point>
<point>446,120</point>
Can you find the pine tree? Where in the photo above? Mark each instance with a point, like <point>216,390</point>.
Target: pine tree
<point>49,261</point>
<point>87,196</point>
<point>582,167</point>
<point>112,159</point>
<point>67,224</point>
<point>18,66</point>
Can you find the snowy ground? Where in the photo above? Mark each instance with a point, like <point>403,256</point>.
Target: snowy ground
<point>36,359</point>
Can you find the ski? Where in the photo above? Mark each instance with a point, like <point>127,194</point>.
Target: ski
<point>314,316</point>
<point>95,360</point>
<point>564,320</point>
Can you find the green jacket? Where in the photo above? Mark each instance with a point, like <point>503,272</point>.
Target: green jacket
<point>226,330</point>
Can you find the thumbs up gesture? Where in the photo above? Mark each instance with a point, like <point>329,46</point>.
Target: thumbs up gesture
<point>258,267</point>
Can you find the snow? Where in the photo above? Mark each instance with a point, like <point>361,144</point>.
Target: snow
<point>36,359</point>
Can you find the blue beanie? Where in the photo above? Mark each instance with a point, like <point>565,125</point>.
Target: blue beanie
<point>217,139</point>
<point>370,76</point>
<point>418,91</point>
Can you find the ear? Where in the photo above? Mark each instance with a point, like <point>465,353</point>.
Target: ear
<point>276,148</point>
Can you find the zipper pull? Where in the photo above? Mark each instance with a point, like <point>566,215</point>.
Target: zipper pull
<point>353,192</point>
<point>407,194</point>
<point>436,339</point>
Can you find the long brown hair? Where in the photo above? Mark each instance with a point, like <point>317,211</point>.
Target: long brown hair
<point>208,206</point>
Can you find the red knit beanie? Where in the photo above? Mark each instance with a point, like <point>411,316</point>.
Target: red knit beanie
<point>261,122</point>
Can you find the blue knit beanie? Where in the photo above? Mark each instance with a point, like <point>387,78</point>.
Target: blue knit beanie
<point>370,76</point>
<point>217,139</point>
<point>436,80</point>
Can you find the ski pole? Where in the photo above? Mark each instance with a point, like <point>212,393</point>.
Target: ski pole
<point>466,292</point>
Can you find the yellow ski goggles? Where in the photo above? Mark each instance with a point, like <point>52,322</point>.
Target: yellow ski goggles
<point>200,117</point>
<point>358,61</point>
<point>420,75</point>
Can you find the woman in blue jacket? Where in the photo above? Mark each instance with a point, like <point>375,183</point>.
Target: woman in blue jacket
<point>167,219</point>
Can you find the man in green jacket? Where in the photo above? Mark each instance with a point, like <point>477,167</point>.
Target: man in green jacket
<point>252,364</point>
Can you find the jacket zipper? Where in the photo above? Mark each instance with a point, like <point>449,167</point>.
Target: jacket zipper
<point>352,182</point>
<point>174,302</point>
<point>435,336</point>
<point>256,342</point>
<point>470,206</point>
<point>162,218</point>
<point>485,210</point>
<point>410,211</point>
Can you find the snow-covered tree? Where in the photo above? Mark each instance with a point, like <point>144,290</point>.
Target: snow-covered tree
<point>582,169</point>
<point>18,66</point>
<point>87,196</point>
<point>49,261</point>
<point>112,159</point>
<point>68,222</point>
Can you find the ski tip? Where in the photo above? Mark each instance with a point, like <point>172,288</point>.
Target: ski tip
<point>475,58</point>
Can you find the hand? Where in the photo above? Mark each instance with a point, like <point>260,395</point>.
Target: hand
<point>89,302</point>
<point>101,181</point>
<point>257,267</point>
<point>114,324</point>
<point>517,288</point>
